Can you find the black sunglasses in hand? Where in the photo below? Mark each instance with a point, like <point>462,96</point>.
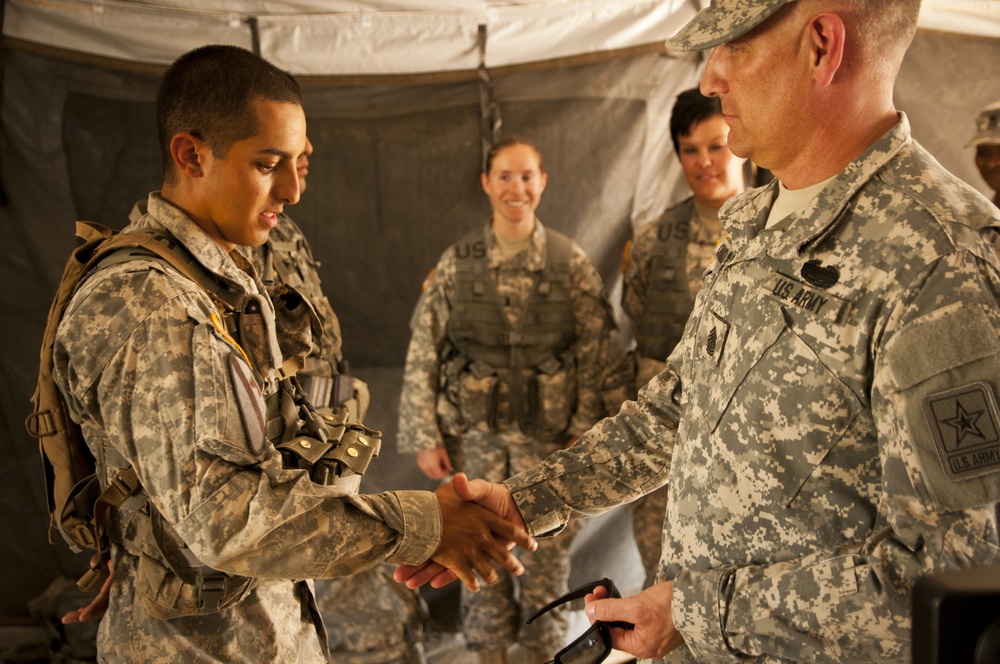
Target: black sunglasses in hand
<point>594,645</point>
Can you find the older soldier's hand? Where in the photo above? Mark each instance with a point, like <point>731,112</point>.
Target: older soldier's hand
<point>472,537</point>
<point>654,634</point>
<point>494,497</point>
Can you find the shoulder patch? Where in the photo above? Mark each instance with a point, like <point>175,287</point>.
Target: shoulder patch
<point>427,280</point>
<point>251,404</point>
<point>626,257</point>
<point>965,423</point>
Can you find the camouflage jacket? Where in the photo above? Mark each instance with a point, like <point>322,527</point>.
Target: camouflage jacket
<point>418,424</point>
<point>828,423</point>
<point>158,384</point>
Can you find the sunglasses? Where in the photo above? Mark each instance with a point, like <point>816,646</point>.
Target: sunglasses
<point>594,645</point>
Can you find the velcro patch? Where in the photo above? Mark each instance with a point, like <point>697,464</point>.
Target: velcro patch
<point>250,403</point>
<point>965,423</point>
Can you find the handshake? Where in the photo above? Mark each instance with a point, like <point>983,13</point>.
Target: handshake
<point>481,525</point>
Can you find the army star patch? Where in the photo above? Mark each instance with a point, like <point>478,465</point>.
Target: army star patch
<point>965,423</point>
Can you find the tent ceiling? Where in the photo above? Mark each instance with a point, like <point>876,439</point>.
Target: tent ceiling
<point>345,38</point>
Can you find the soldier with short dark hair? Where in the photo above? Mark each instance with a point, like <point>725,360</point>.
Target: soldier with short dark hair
<point>179,378</point>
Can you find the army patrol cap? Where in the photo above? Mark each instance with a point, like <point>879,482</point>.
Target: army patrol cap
<point>723,21</point>
<point>987,126</point>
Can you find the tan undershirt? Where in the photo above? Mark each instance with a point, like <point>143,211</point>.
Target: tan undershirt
<point>789,200</point>
<point>508,247</point>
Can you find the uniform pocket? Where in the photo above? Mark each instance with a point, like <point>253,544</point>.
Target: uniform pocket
<point>776,405</point>
<point>554,396</point>
<point>477,394</point>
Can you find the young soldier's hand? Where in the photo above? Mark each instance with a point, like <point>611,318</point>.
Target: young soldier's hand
<point>473,537</point>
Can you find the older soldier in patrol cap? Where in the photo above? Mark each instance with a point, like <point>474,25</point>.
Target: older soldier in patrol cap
<point>987,144</point>
<point>828,425</point>
<point>502,367</point>
<point>177,377</point>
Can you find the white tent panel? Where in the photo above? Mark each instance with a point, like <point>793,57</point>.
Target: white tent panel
<point>971,17</point>
<point>122,30</point>
<point>325,42</point>
<point>370,43</point>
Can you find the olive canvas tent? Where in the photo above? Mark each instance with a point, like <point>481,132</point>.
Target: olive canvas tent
<point>400,98</point>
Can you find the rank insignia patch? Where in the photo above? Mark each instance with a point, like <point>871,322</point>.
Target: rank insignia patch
<point>965,423</point>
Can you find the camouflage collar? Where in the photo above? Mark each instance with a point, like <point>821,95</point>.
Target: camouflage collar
<point>158,213</point>
<point>531,259</point>
<point>744,216</point>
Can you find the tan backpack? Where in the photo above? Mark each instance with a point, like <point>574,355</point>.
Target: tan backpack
<point>78,509</point>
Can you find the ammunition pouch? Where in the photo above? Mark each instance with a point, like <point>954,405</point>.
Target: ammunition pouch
<point>552,397</point>
<point>449,416</point>
<point>334,450</point>
<point>476,393</point>
<point>296,323</point>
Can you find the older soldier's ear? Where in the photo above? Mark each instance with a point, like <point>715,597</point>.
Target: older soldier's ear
<point>186,150</point>
<point>827,37</point>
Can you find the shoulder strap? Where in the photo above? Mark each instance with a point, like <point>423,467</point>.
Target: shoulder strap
<point>66,458</point>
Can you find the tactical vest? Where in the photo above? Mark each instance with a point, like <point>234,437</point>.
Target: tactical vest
<point>287,268</point>
<point>514,375</point>
<point>668,297</point>
<point>172,581</point>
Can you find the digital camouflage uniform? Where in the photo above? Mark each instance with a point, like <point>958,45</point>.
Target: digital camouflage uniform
<point>370,618</point>
<point>828,423</point>
<point>664,268</point>
<point>158,383</point>
<point>493,619</point>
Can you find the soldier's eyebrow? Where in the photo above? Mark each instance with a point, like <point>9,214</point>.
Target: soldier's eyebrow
<point>276,152</point>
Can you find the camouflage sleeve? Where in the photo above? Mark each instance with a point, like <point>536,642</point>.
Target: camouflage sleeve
<point>635,276</point>
<point>618,460</point>
<point>592,313</point>
<point>176,399</point>
<point>418,426</point>
<point>933,401</point>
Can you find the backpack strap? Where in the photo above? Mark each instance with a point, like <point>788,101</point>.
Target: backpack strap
<point>75,513</point>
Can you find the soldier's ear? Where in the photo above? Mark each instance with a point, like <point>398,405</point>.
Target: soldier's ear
<point>827,36</point>
<point>188,152</point>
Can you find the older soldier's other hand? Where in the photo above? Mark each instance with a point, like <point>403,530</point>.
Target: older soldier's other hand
<point>654,634</point>
<point>494,497</point>
<point>472,537</point>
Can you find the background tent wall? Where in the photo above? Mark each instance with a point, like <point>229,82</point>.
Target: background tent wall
<point>393,181</point>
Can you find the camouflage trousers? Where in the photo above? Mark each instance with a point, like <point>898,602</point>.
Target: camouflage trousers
<point>372,619</point>
<point>494,617</point>
<point>647,526</point>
